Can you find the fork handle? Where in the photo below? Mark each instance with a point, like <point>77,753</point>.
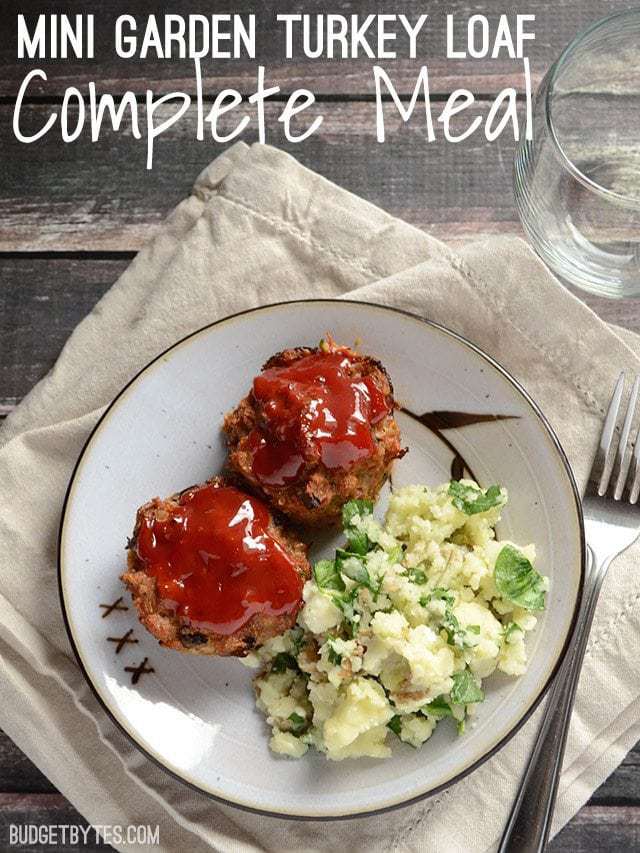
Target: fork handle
<point>529,823</point>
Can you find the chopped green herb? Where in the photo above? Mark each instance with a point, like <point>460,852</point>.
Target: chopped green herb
<point>465,690</point>
<point>438,707</point>
<point>353,508</point>
<point>298,722</point>
<point>471,500</point>
<point>395,724</point>
<point>442,595</point>
<point>345,601</point>
<point>283,661</point>
<point>461,725</point>
<point>378,588</point>
<point>353,567</point>
<point>517,580</point>
<point>357,540</point>
<point>297,638</point>
<point>349,627</point>
<point>455,632</point>
<point>334,657</point>
<point>327,576</point>
<point>395,555</point>
<point>511,629</point>
<point>416,576</point>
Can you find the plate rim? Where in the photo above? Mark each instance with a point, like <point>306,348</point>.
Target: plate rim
<point>400,803</point>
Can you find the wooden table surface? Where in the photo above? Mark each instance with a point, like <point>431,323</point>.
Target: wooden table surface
<point>72,217</point>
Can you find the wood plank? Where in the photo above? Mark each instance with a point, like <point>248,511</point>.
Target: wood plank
<point>557,22</point>
<point>41,302</point>
<point>622,788</point>
<point>18,775</point>
<point>22,787</point>
<point>44,810</point>
<point>594,828</point>
<point>99,196</point>
<point>620,312</point>
<point>598,828</point>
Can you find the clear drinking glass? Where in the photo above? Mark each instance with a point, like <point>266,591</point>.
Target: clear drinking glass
<point>577,184</point>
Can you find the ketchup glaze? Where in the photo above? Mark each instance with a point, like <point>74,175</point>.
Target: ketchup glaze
<point>214,561</point>
<point>313,410</point>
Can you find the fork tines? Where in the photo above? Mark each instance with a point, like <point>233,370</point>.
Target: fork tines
<point>616,467</point>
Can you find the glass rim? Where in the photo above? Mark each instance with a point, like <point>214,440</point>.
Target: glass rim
<point>560,62</point>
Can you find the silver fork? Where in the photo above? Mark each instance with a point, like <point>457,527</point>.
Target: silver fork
<point>612,524</point>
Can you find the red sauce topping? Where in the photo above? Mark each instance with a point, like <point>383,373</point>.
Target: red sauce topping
<point>314,410</point>
<point>214,562</point>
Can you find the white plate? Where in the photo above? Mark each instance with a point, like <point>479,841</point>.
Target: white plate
<point>196,716</point>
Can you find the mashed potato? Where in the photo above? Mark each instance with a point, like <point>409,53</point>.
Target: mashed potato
<point>398,631</point>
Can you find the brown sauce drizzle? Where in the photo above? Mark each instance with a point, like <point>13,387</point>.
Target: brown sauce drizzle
<point>435,422</point>
<point>139,670</point>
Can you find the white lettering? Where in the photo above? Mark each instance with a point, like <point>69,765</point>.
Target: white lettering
<point>37,72</point>
<point>451,53</point>
<point>288,29</point>
<point>72,92</point>
<point>412,32</point>
<point>381,76</point>
<point>219,108</point>
<point>451,109</point>
<point>478,52</point>
<point>125,45</point>
<point>34,45</point>
<point>510,114</point>
<point>98,107</point>
<point>292,110</point>
<point>154,131</point>
<point>259,97</point>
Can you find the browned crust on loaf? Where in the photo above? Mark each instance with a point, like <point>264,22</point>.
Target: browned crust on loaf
<point>176,633</point>
<point>317,498</point>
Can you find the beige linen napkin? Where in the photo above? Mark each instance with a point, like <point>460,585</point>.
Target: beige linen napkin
<point>260,228</point>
